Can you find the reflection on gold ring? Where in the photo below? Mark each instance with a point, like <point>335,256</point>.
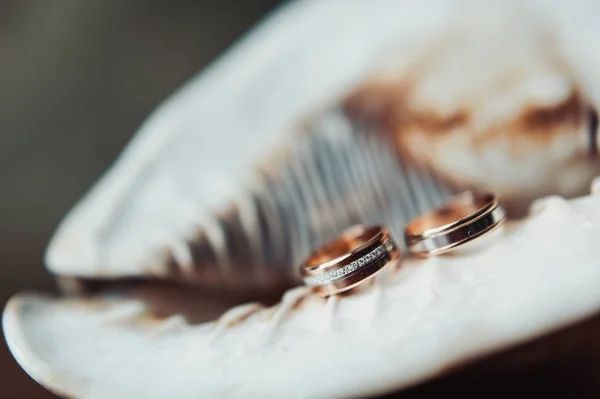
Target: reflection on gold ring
<point>357,254</point>
<point>468,216</point>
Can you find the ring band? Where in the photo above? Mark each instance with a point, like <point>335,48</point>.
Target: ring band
<point>468,216</point>
<point>357,254</point>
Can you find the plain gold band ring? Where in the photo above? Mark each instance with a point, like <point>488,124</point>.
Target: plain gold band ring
<point>467,217</point>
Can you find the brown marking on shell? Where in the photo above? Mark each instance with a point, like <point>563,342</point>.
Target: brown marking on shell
<point>537,124</point>
<point>239,320</point>
<point>540,124</point>
<point>163,299</point>
<point>299,304</point>
<point>554,117</point>
<point>388,107</point>
<point>305,301</point>
<point>523,139</point>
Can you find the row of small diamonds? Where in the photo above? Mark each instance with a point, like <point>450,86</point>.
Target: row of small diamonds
<point>332,275</point>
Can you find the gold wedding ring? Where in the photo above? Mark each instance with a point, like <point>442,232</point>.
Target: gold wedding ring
<point>468,216</point>
<point>356,255</point>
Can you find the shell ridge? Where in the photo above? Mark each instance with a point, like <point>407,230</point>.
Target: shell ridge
<point>284,308</point>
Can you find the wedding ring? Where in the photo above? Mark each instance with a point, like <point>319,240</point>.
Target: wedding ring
<point>468,216</point>
<point>356,255</point>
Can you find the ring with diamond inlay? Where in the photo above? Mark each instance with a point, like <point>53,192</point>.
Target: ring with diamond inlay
<point>357,254</point>
<point>467,217</point>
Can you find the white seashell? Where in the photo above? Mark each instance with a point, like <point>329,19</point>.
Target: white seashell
<point>430,316</point>
<point>215,189</point>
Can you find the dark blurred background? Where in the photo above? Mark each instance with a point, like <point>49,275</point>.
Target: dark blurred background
<point>76,80</point>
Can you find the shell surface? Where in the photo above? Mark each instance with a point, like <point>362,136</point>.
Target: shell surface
<point>429,316</point>
<point>291,137</point>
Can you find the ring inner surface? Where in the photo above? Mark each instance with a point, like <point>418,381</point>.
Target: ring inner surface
<point>343,245</point>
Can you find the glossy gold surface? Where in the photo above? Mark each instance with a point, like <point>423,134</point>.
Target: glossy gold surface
<point>369,249</point>
<point>467,217</point>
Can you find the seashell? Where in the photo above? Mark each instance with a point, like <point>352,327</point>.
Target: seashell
<point>328,114</point>
<point>429,317</point>
<point>264,156</point>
